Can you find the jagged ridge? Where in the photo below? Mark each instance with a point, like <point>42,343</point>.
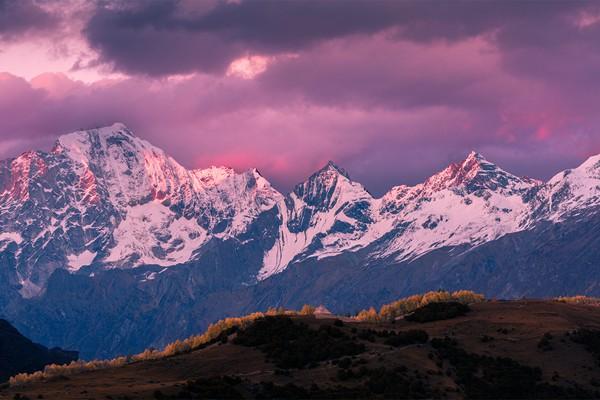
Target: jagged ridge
<point>104,198</point>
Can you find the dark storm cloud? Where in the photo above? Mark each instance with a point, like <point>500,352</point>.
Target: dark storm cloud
<point>169,37</point>
<point>156,38</point>
<point>19,17</point>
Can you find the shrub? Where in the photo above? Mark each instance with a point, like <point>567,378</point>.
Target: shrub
<point>369,315</point>
<point>590,339</point>
<point>488,377</point>
<point>391,311</point>
<point>400,307</point>
<point>406,338</point>
<point>381,382</point>
<point>292,344</point>
<point>53,371</point>
<point>544,344</point>
<point>485,377</point>
<point>307,310</point>
<point>438,311</point>
<point>396,385</point>
<point>212,388</point>
<point>277,311</point>
<point>367,334</point>
<point>486,338</point>
<point>594,301</point>
<point>467,297</point>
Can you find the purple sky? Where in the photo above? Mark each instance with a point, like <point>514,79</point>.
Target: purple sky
<point>391,90</point>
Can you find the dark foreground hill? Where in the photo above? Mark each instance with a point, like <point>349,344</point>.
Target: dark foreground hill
<point>19,354</point>
<point>516,349</point>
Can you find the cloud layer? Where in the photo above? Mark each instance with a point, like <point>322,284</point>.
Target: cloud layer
<point>391,90</point>
<point>21,18</point>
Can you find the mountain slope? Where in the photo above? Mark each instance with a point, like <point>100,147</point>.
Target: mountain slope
<point>574,190</point>
<point>19,354</point>
<point>467,203</point>
<point>327,214</point>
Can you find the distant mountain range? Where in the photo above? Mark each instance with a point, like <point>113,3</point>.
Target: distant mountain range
<point>106,237</point>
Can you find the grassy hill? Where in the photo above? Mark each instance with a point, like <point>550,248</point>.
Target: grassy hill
<point>507,349</point>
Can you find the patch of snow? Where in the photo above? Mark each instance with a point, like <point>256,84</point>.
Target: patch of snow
<point>76,261</point>
<point>149,276</point>
<point>11,237</point>
<point>29,289</point>
<point>155,235</point>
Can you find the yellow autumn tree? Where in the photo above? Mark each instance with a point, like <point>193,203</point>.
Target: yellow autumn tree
<point>307,309</point>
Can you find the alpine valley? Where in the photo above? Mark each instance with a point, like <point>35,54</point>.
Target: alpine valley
<point>109,246</point>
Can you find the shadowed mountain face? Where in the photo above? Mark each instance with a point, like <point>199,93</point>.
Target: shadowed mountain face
<point>19,354</point>
<point>107,233</point>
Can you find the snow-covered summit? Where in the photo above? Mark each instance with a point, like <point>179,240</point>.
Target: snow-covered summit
<point>213,175</point>
<point>81,144</point>
<point>326,187</point>
<point>574,190</point>
<point>332,167</point>
<point>476,173</point>
<point>326,213</point>
<point>469,202</point>
<point>106,196</point>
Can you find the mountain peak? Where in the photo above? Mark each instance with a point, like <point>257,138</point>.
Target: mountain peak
<point>213,174</point>
<point>83,143</point>
<point>333,167</point>
<point>474,172</point>
<point>119,125</point>
<point>102,131</point>
<point>84,137</point>
<point>475,160</point>
<point>591,163</point>
<point>475,156</point>
<point>320,186</point>
<point>115,127</point>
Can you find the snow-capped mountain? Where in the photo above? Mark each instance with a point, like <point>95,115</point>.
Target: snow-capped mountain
<point>106,230</point>
<point>470,202</point>
<point>107,198</point>
<point>327,214</point>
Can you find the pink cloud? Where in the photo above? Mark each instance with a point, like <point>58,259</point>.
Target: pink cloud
<point>390,111</point>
